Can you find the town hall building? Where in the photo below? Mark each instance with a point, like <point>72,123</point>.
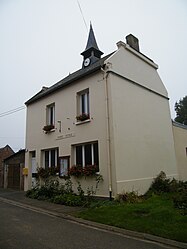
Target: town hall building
<point>112,114</point>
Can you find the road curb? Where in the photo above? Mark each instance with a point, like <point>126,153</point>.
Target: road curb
<point>130,233</point>
<point>121,231</point>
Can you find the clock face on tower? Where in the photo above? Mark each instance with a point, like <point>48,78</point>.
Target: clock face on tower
<point>87,62</point>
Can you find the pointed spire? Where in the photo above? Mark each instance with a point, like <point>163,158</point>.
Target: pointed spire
<point>91,43</point>
<point>91,51</point>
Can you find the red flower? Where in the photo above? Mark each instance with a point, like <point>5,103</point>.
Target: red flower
<point>88,170</point>
<point>48,128</point>
<point>83,116</point>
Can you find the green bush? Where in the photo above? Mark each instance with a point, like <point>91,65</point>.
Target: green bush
<point>178,190</point>
<point>46,191</point>
<point>160,184</point>
<point>45,173</point>
<point>180,202</point>
<point>129,197</point>
<point>58,193</point>
<point>80,191</point>
<point>32,193</point>
<point>53,191</point>
<point>68,187</point>
<point>68,199</point>
<point>163,185</point>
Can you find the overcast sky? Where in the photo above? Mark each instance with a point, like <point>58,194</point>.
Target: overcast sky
<point>41,42</point>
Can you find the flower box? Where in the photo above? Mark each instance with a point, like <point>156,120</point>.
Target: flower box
<point>91,170</point>
<point>76,170</point>
<point>88,170</point>
<point>83,116</point>
<point>48,128</point>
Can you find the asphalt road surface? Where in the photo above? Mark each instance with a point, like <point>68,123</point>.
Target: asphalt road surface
<point>22,228</point>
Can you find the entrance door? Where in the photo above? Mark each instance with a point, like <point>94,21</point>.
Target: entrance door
<point>14,176</point>
<point>34,169</point>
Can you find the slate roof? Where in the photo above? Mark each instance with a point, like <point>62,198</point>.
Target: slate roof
<point>70,79</point>
<point>179,125</point>
<point>91,40</point>
<point>91,44</point>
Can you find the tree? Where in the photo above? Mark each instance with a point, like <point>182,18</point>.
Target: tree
<point>181,111</point>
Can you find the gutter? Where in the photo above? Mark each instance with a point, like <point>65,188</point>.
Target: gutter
<point>105,77</point>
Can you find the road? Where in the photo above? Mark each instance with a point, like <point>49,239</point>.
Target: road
<point>21,228</point>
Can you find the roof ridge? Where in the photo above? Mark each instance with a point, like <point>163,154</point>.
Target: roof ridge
<point>80,73</point>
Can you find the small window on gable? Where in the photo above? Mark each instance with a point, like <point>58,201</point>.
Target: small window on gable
<point>83,105</point>
<point>50,114</point>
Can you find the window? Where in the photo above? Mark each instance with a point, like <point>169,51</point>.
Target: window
<point>83,109</point>
<point>84,102</point>
<point>63,166</point>
<point>33,163</point>
<point>87,154</point>
<point>50,158</point>
<point>50,115</point>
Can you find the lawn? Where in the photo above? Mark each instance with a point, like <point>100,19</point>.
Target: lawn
<point>162,211</point>
<point>155,215</point>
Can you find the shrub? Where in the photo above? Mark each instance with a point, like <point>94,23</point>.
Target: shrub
<point>80,191</point>
<point>180,202</point>
<point>128,197</point>
<point>68,199</point>
<point>163,185</point>
<point>32,193</point>
<point>160,184</point>
<point>178,189</point>
<point>45,173</point>
<point>53,191</point>
<point>46,191</point>
<point>68,187</point>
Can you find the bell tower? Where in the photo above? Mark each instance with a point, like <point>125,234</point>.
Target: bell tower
<point>91,54</point>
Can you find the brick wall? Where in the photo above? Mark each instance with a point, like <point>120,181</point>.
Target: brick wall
<point>4,153</point>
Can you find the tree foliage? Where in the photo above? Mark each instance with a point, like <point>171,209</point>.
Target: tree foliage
<point>181,111</point>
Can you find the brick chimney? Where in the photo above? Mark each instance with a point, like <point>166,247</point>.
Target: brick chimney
<point>133,42</point>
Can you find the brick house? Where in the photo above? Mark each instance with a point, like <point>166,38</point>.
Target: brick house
<point>4,153</point>
<point>13,170</point>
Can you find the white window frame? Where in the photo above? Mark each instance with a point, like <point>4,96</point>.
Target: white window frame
<point>50,114</point>
<point>83,153</point>
<point>83,94</point>
<point>56,157</point>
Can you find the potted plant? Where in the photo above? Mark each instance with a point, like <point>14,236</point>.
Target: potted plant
<point>76,170</point>
<point>83,117</point>
<point>88,170</point>
<point>48,128</point>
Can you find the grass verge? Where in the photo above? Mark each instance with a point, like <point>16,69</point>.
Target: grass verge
<point>155,215</point>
